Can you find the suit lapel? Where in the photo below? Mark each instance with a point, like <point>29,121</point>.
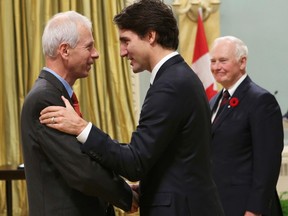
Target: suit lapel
<point>215,100</point>
<point>239,94</point>
<point>175,59</point>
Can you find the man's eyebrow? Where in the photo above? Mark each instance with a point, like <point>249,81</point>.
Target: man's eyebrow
<point>123,38</point>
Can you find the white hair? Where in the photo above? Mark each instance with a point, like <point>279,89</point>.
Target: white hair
<point>240,47</point>
<point>63,28</point>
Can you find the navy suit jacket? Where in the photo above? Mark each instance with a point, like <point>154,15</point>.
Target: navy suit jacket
<point>170,150</point>
<point>247,141</point>
<point>61,180</point>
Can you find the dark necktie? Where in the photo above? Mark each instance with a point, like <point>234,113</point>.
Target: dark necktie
<point>76,104</point>
<point>224,101</point>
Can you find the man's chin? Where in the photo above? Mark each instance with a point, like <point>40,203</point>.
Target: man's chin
<point>137,70</point>
<point>84,75</point>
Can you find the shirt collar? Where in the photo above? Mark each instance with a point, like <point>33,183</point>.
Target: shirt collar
<point>63,81</point>
<point>159,64</point>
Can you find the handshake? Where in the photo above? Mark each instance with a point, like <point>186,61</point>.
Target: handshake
<point>135,198</point>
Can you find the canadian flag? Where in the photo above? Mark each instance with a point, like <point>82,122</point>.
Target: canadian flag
<point>201,60</point>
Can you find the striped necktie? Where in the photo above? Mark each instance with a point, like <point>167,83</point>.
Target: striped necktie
<point>76,104</point>
<point>224,101</point>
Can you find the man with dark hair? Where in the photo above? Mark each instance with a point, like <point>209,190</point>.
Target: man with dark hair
<point>170,150</point>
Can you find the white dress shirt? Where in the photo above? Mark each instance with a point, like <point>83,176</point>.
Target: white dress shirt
<point>231,91</point>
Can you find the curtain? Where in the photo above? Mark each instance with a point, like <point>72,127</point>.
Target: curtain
<point>188,28</point>
<point>106,96</point>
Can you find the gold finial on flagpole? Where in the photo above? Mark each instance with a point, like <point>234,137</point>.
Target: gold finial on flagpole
<point>190,8</point>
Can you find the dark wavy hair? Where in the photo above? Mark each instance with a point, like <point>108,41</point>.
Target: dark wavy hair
<point>146,15</point>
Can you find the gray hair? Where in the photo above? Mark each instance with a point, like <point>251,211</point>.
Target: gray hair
<point>240,47</point>
<point>63,28</point>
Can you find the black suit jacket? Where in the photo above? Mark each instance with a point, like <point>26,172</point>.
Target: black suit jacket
<point>170,150</point>
<point>247,141</point>
<point>61,180</point>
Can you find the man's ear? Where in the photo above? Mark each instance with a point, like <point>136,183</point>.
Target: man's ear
<point>151,35</point>
<point>243,62</point>
<point>64,50</point>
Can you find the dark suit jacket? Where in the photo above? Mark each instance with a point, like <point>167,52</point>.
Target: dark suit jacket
<point>170,150</point>
<point>61,180</point>
<point>247,141</point>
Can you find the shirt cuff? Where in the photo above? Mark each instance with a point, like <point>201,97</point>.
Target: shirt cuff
<point>82,137</point>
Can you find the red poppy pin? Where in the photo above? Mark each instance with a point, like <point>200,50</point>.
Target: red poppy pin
<point>233,102</point>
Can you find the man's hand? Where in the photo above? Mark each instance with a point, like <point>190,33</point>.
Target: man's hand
<point>135,203</point>
<point>135,187</point>
<point>64,119</point>
<point>135,198</point>
<point>248,213</point>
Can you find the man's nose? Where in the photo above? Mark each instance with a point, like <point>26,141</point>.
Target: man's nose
<point>95,54</point>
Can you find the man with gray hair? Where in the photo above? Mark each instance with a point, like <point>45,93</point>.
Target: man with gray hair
<point>247,135</point>
<point>61,180</point>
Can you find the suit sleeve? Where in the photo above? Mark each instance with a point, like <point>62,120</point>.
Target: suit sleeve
<point>80,171</point>
<point>267,140</point>
<point>159,121</point>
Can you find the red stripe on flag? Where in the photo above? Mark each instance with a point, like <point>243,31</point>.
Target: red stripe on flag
<point>201,60</point>
<point>201,46</point>
<point>210,92</point>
